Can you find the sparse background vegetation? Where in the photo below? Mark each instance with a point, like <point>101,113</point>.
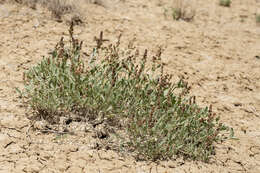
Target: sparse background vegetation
<point>225,3</point>
<point>58,8</point>
<point>181,10</point>
<point>257,17</point>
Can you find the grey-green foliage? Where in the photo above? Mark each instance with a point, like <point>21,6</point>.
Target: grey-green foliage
<point>225,3</point>
<point>257,17</point>
<point>159,119</point>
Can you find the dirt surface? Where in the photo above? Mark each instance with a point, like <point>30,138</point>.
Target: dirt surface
<point>218,53</point>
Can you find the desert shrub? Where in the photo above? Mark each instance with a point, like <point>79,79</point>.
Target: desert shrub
<point>158,118</point>
<point>257,18</point>
<point>184,10</point>
<point>225,3</point>
<point>58,8</point>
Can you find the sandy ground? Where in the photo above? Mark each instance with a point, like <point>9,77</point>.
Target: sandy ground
<point>218,53</point>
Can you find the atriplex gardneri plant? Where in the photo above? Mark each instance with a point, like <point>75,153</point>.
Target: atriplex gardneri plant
<point>160,121</point>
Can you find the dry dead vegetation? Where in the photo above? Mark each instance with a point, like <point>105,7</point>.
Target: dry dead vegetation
<point>107,105</point>
<point>58,8</point>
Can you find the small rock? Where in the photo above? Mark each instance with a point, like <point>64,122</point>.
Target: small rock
<point>237,104</point>
<point>40,125</point>
<point>5,141</point>
<point>70,149</point>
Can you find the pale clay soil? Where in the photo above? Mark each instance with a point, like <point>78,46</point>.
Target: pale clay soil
<point>217,53</point>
